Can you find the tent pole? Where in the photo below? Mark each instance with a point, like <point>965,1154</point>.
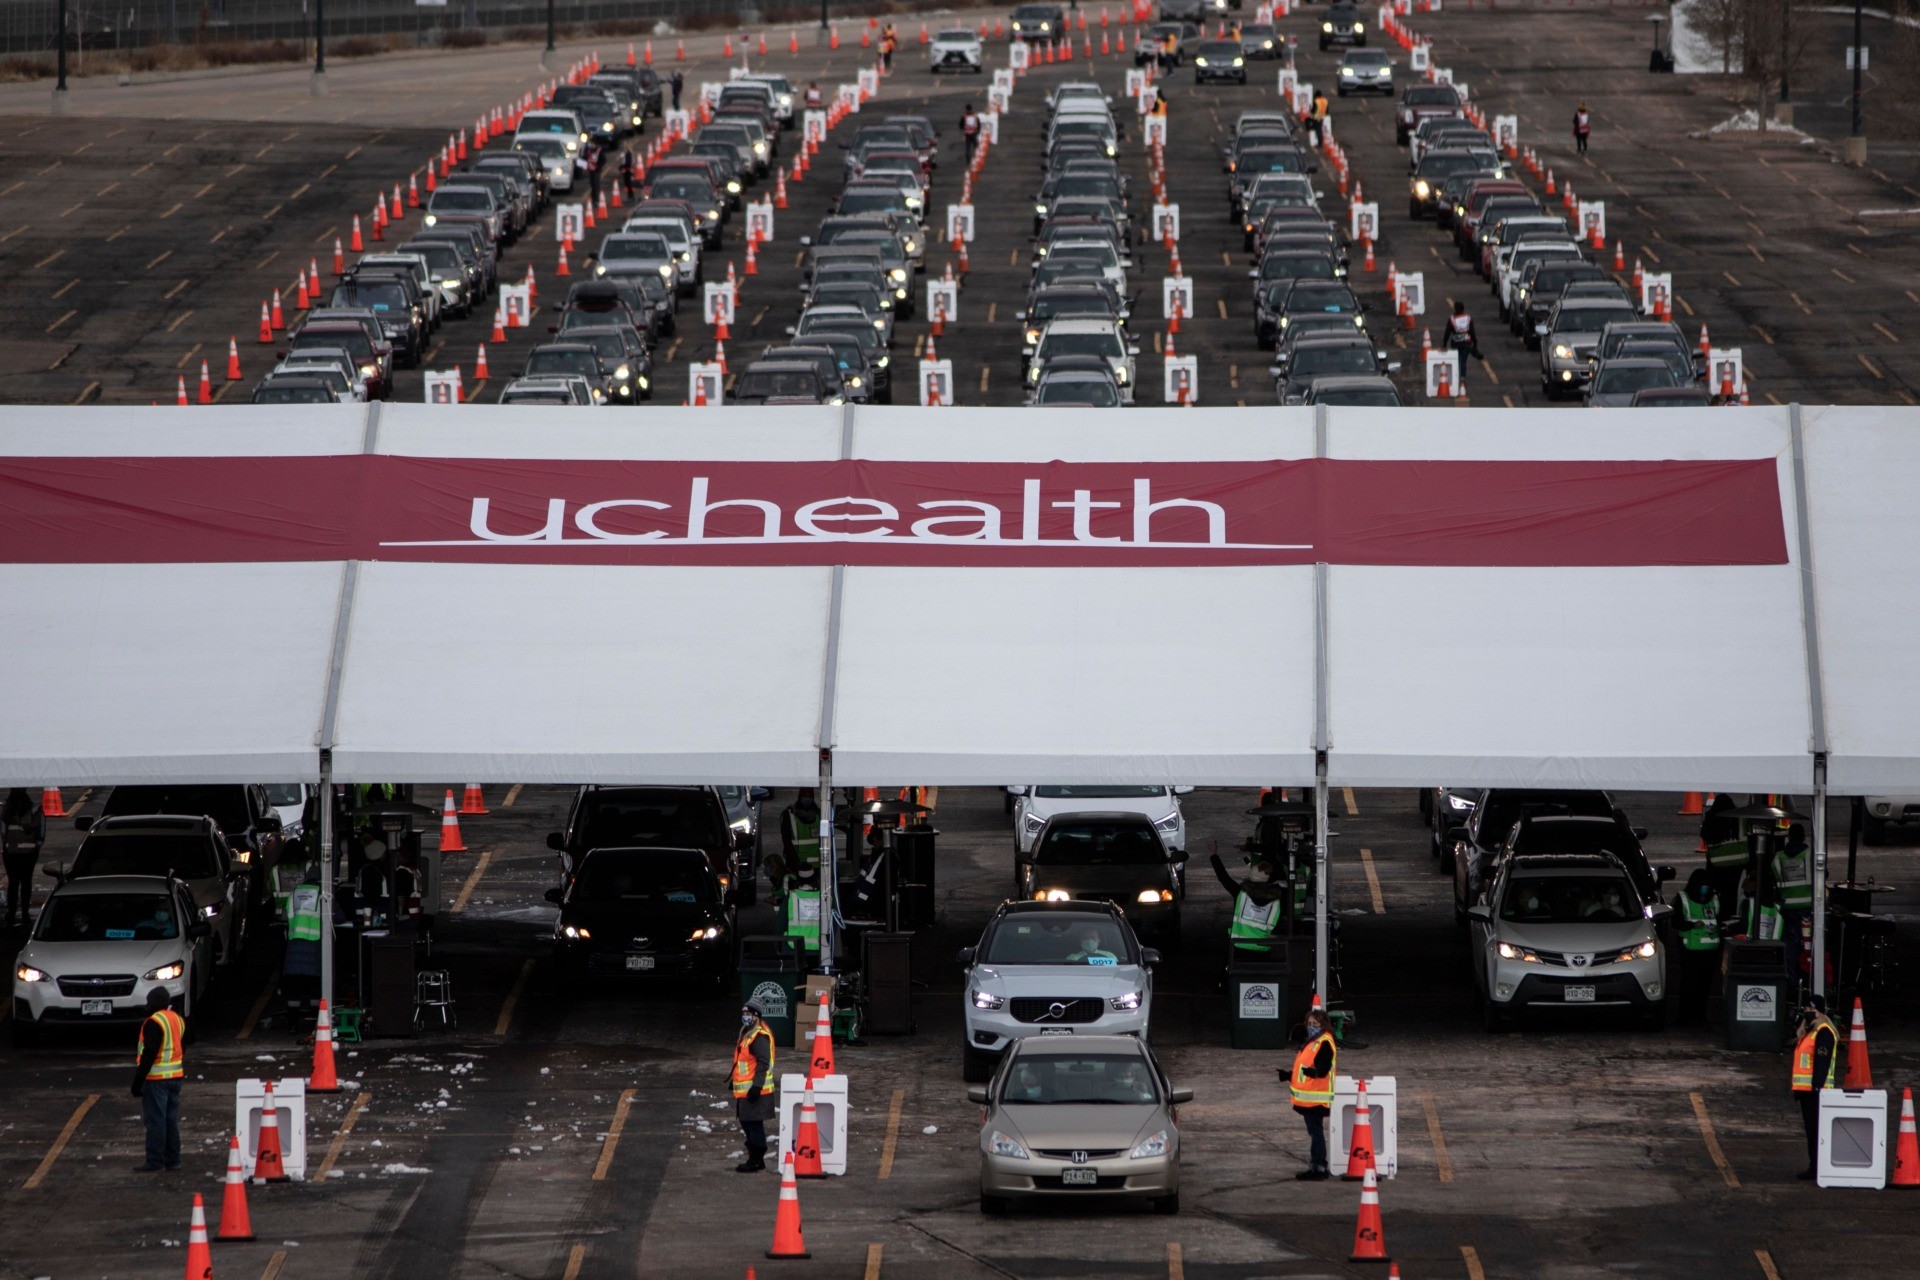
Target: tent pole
<point>327,872</point>
<point>1320,877</point>
<point>829,864</point>
<point>1820,875</point>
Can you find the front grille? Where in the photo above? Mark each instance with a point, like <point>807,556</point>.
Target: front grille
<point>87,986</point>
<point>1067,1153</point>
<point>1105,1182</point>
<point>1042,1009</point>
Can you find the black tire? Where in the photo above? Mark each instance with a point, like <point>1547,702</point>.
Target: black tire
<point>26,1035</point>
<point>1491,1018</point>
<point>995,1206</point>
<point>976,1066</point>
<point>1655,1019</point>
<point>1167,1204</point>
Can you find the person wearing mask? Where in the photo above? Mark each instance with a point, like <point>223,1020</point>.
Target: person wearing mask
<point>159,1064</point>
<point>755,1089</point>
<point>1311,1089</point>
<point>25,831</point>
<point>1696,923</point>
<point>1816,1066</point>
<point>1793,882</point>
<point>814,100</point>
<point>1460,334</point>
<point>1317,121</point>
<point>1259,904</point>
<point>970,130</point>
<point>678,82</point>
<point>1024,1087</point>
<point>1582,127</point>
<point>1092,949</point>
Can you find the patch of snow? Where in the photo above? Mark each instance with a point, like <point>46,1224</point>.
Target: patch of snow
<point>403,1168</point>
<point>931,1129</point>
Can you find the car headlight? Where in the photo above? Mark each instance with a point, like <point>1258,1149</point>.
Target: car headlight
<point>1155,895</point>
<point>1384,71</point>
<point>855,381</point>
<point>1459,802</point>
<point>1040,209</point>
<point>1000,1144</point>
<point>1239,62</point>
<point>1045,27</point>
<point>1561,351</point>
<point>574,146</point>
<point>210,910</point>
<point>1167,825</point>
<point>1199,62</point>
<point>576,931</point>
<point>637,122</point>
<point>1033,374</point>
<point>1033,823</point>
<point>1346,73</point>
<point>1154,1145</point>
<point>713,215</point>
<point>733,186</point>
<point>883,362</point>
<point>1647,950</point>
<point>1266,44</point>
<point>368,371</point>
<point>1052,895</point>
<point>27,973</point>
<point>165,973</point>
<point>606,126</point>
<point>1358,27</point>
<point>1421,189</point>
<point>1327,27</point>
<point>1126,1003</point>
<point>899,275</point>
<point>987,1000</point>
<point>1566,375</point>
<point>599,270</point>
<point>642,382</point>
<point>1112,150</point>
<point>707,934</point>
<point>1120,374</point>
<point>1510,952</point>
<point>759,148</point>
<point>622,374</point>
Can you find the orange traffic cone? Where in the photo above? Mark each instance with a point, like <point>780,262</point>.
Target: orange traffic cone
<point>649,53</point>
<point>1692,805</point>
<point>1369,1241</point>
<point>339,258</point>
<point>268,1163</point>
<point>763,44</point>
<point>787,1240</point>
<point>358,244</point>
<point>233,359</point>
<point>591,223</point>
<point>1906,1152</point>
<point>780,189</point>
<point>1619,255</point>
<point>1859,1073</point>
<point>563,269</point>
<point>471,801</point>
<point>1360,1149</point>
<point>413,188</point>
<point>324,1079</point>
<point>450,841</point>
<point>379,219</point>
<point>181,400</point>
<point>279,316</point>
<point>266,327</point>
<point>1369,266</point>
<point>206,385</point>
<point>728,51</point>
<point>395,210</point>
<point>199,1255</point>
<point>821,1064</point>
<point>793,41</point>
<point>806,1143</point>
<point>235,1224</point>
<point>499,326</point>
<point>720,355</point>
<point>753,261</point>
<point>680,52</point>
<point>480,374</point>
<point>51,805</point>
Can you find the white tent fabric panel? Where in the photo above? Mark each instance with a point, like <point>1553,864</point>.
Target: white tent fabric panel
<point>1648,679</point>
<point>1075,676</point>
<point>566,673</point>
<point>748,433</point>
<point>170,431</point>
<point>163,672</point>
<point>1147,434</point>
<point>1683,435</point>
<point>1863,500</point>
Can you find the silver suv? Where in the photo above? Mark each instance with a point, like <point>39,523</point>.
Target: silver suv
<point>1053,969</point>
<point>957,49</point>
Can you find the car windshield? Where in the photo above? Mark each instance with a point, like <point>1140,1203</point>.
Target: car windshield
<point>1294,266</point>
<point>1057,939</point>
<point>1343,358</point>
<point>1334,299</point>
<point>654,878</point>
<point>227,806</point>
<point>1099,844</point>
<point>381,297</point>
<point>1615,381</point>
<point>1587,899</point>
<point>1102,792</point>
<point>354,341</point>
<point>759,384</point>
<point>1269,160</point>
<point>647,248</point>
<point>269,393</point>
<point>1432,95</point>
<point>1499,810</point>
<point>107,854</point>
<point>683,188</point>
<point>548,363</point>
<point>461,200</point>
<point>1094,1079</point>
<point>672,820</point>
<point>1094,393</point>
<point>1679,363</point>
<point>1448,163</point>
<point>281,794</point>
<point>955,37</point>
<point>1367,58</point>
<point>536,397</point>
<point>549,149</point>
<point>1220,49</point>
<point>1587,319</point>
<point>108,917</point>
<point>1080,344</point>
<point>871,201</point>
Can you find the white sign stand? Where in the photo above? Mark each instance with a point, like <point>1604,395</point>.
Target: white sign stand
<point>1182,374</point>
<point>936,382</point>
<point>830,1109</point>
<point>1853,1139</point>
<point>1592,218</point>
<point>1653,288</point>
<point>290,1113</point>
<point>1176,287</point>
<point>1726,372</point>
<point>1410,288</point>
<point>705,377</point>
<point>718,303</point>
<point>516,303</point>
<point>569,223</point>
<point>943,301</point>
<point>1166,223</point>
<point>443,386</point>
<point>1364,220</point>
<point>1438,360</point>
<point>1382,1113</point>
<point>960,223</point>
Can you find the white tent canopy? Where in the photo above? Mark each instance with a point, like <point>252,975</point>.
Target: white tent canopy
<point>1426,596</point>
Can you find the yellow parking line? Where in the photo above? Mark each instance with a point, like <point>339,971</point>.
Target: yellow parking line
<point>513,793</point>
<point>466,890</point>
<point>60,1143</point>
<point>575,1256</point>
<point>1872,368</point>
<point>1176,1261</point>
<point>165,254</point>
<point>1471,1259</point>
<point>893,1134</point>
<point>1885,332</point>
<point>1713,1143</point>
<point>1373,882</point>
<point>61,292</point>
<point>58,252</point>
<point>613,1135</point>
<point>180,320</point>
<point>62,320</point>
<point>873,1262</point>
<point>1353,809</point>
<point>277,1261</point>
<point>984,371</point>
<point>340,1135</point>
<point>513,998</point>
<point>1437,1138</point>
<point>259,1007</point>
<point>1767,1269</point>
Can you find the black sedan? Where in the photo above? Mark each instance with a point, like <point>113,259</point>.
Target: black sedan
<point>645,912</point>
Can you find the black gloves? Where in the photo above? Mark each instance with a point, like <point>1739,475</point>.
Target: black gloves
<point>753,1094</point>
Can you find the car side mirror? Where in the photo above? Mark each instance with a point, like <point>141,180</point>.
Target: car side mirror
<point>1667,873</point>
<point>269,824</point>
<point>1179,1096</point>
<point>977,1093</point>
<point>1539,331</point>
<point>1456,835</point>
<point>199,929</point>
<point>1393,366</point>
<point>1018,790</point>
<point>1480,915</point>
<point>1178,855</point>
<point>964,957</point>
<point>1149,956</point>
<point>556,840</point>
<point>83,823</point>
<point>760,793</point>
<point>1253,275</point>
<point>806,241</point>
<point>1183,791</point>
<point>57,871</point>
<point>1639,833</point>
<point>555,895</point>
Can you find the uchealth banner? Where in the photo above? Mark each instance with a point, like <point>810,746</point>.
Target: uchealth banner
<point>70,510</point>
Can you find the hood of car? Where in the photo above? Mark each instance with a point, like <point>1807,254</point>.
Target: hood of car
<point>1121,882</point>
<point>1071,1127</point>
<point>1584,939</point>
<point>63,959</point>
<point>1102,981</point>
<point>1150,807</point>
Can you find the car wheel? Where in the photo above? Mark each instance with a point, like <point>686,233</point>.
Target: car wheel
<point>1446,858</point>
<point>26,1034</point>
<point>1413,210</point>
<point>1655,1019</point>
<point>1167,1204</point>
<point>976,1066</point>
<point>1491,1017</point>
<point>994,1206</point>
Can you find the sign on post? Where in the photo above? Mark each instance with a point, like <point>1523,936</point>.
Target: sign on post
<point>999,100</point>
<point>1017,55</point>
<point>1655,289</point>
<point>1182,374</point>
<point>1176,288</point>
<point>848,96</point>
<point>680,121</point>
<point>960,223</point>
<point>710,91</point>
<point>443,386</point>
<point>569,223</point>
<point>705,383</point>
<point>516,304</point>
<point>1726,374</point>
<point>936,382</point>
<point>1365,220</point>
<point>1410,293</point>
<point>1302,99</point>
<point>1420,57</point>
<point>943,301</point>
<point>1506,133</point>
<point>1593,221</point>
<point>760,220</point>
<point>1166,222</point>
<point>1137,82</point>
<point>1443,373</point>
<point>815,124</point>
<point>1003,79</point>
<point>718,307</point>
<point>990,128</point>
<point>1288,78</point>
<point>870,82</point>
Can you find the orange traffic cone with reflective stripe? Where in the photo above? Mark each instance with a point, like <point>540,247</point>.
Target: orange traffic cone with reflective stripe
<point>471,800</point>
<point>268,1162</point>
<point>233,359</point>
<point>50,803</point>
<point>820,1065</point>
<point>206,385</point>
<point>787,1240</point>
<point>1369,1239</point>
<point>266,327</point>
<point>1692,804</point>
<point>199,1256</point>
<point>1906,1152</point>
<point>1360,1149</point>
<point>323,1079</point>
<point>1859,1073</point>
<point>235,1223</point>
<point>450,841</point>
<point>806,1143</point>
<point>480,374</point>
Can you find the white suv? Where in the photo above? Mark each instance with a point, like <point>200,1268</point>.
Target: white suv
<point>1052,969</point>
<point>956,49</point>
<point>1881,812</point>
<point>1567,931</point>
<point>1033,805</point>
<point>1086,336</point>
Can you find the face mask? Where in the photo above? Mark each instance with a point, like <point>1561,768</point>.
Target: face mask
<point>747,1019</point>
<point>1260,875</point>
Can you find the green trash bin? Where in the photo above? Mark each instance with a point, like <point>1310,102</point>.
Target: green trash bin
<point>771,973</point>
<point>1257,990</point>
<point>1758,994</point>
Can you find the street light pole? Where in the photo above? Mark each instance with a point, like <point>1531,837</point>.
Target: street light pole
<point>546,58</point>
<point>319,48</point>
<point>1784,111</point>
<point>1856,152</point>
<point>60,64</point>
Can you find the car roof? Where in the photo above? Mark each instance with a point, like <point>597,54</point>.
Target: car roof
<point>151,823</point>
<point>91,886</point>
<point>1071,907</point>
<point>1082,324</point>
<point>1568,864</point>
<point>1352,382</point>
<point>1061,1046</point>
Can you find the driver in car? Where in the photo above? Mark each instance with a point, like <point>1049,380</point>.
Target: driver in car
<point>1608,906</point>
<point>1090,950</point>
<point>1025,1086</point>
<point>1130,1084</point>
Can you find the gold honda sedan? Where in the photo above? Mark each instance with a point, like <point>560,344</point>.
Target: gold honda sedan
<point>1072,1116</point>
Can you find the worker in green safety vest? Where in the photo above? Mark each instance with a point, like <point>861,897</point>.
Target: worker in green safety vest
<point>1793,884</point>
<point>797,865</point>
<point>1259,905</point>
<point>300,965</point>
<point>1759,918</point>
<point>1696,923</point>
<point>1724,841</point>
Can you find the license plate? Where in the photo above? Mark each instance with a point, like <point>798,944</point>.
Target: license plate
<point>646,962</point>
<point>1577,995</point>
<point>1056,1031</point>
<point>1079,1177</point>
<point>96,1008</point>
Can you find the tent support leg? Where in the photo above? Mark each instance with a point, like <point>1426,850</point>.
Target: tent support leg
<point>1820,874</point>
<point>1320,877</point>
<point>327,873</point>
<point>829,866</point>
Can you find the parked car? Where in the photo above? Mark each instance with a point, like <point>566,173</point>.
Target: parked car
<point>1110,856</point>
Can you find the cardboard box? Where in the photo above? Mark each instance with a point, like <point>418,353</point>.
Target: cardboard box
<point>819,986</point>
<point>805,1016</point>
